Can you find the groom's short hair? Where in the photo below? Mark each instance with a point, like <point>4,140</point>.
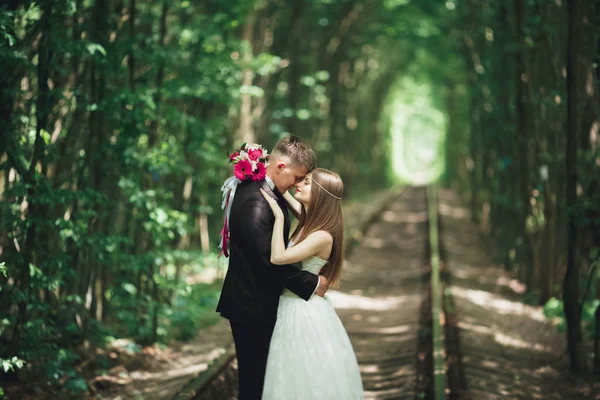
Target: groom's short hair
<point>297,150</point>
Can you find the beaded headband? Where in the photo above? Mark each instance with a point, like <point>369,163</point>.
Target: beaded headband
<point>327,191</point>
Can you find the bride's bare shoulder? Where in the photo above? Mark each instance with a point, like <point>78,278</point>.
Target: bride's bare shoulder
<point>323,236</point>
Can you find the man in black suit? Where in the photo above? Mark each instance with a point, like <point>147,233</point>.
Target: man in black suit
<point>252,286</point>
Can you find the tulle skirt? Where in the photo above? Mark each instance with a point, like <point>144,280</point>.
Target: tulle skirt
<point>311,356</point>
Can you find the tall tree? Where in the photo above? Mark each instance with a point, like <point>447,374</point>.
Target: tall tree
<point>575,86</point>
<point>524,129</point>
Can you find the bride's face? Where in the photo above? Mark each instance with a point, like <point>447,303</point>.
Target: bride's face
<point>303,189</point>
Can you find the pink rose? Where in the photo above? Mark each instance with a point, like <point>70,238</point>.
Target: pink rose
<point>260,173</point>
<point>232,156</point>
<point>242,169</point>
<point>255,154</point>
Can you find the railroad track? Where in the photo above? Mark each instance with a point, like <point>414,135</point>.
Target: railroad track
<point>394,306</point>
<point>447,371</point>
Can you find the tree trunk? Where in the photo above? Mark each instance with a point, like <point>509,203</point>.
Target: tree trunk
<point>245,132</point>
<point>31,176</point>
<point>153,271</point>
<point>295,68</point>
<point>548,253</point>
<point>203,225</point>
<point>508,171</point>
<point>96,149</point>
<point>131,56</point>
<point>571,293</point>
<point>597,340</point>
<point>160,76</point>
<point>523,128</point>
<point>473,146</point>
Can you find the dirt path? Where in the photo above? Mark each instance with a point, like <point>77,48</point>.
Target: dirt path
<point>381,295</point>
<point>171,370</point>
<point>509,350</point>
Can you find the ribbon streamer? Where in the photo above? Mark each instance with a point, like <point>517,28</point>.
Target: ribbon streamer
<point>228,189</point>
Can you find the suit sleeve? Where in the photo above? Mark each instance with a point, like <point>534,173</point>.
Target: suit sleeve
<point>257,224</point>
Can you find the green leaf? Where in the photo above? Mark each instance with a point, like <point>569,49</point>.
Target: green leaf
<point>6,366</point>
<point>76,385</point>
<point>308,81</point>
<point>95,47</point>
<point>34,271</point>
<point>303,114</point>
<point>322,76</point>
<point>9,38</point>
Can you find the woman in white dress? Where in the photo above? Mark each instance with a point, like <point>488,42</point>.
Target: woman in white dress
<point>310,356</point>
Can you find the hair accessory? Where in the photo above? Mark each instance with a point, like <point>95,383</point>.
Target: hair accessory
<point>326,191</point>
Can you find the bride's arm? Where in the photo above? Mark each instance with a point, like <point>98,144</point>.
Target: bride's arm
<point>294,205</point>
<point>314,243</point>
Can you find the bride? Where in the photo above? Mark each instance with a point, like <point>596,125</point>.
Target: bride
<point>310,356</point>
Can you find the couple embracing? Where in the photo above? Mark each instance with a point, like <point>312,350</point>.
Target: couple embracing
<point>289,341</point>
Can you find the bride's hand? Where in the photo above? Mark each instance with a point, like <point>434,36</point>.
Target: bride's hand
<point>323,286</point>
<point>274,205</point>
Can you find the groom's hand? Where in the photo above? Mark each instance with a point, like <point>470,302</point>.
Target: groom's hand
<point>323,286</point>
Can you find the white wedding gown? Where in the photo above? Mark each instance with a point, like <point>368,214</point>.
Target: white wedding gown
<point>310,357</point>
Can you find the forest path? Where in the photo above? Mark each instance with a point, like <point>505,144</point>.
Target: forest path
<point>381,294</point>
<point>509,349</point>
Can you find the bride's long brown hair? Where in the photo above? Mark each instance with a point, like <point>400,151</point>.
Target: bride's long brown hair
<point>325,215</point>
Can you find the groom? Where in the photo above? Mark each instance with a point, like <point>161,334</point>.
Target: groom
<point>252,286</point>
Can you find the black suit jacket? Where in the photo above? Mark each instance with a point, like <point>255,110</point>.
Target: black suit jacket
<point>253,285</point>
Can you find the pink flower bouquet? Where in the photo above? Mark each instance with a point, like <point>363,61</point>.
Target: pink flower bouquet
<point>250,162</point>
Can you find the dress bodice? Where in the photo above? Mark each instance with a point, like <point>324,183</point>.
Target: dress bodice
<point>311,264</point>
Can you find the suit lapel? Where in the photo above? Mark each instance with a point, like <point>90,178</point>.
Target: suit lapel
<point>267,189</point>
<point>279,198</point>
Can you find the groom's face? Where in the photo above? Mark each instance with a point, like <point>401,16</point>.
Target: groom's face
<point>288,175</point>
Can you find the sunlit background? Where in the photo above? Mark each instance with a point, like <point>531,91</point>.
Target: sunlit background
<point>418,132</point>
